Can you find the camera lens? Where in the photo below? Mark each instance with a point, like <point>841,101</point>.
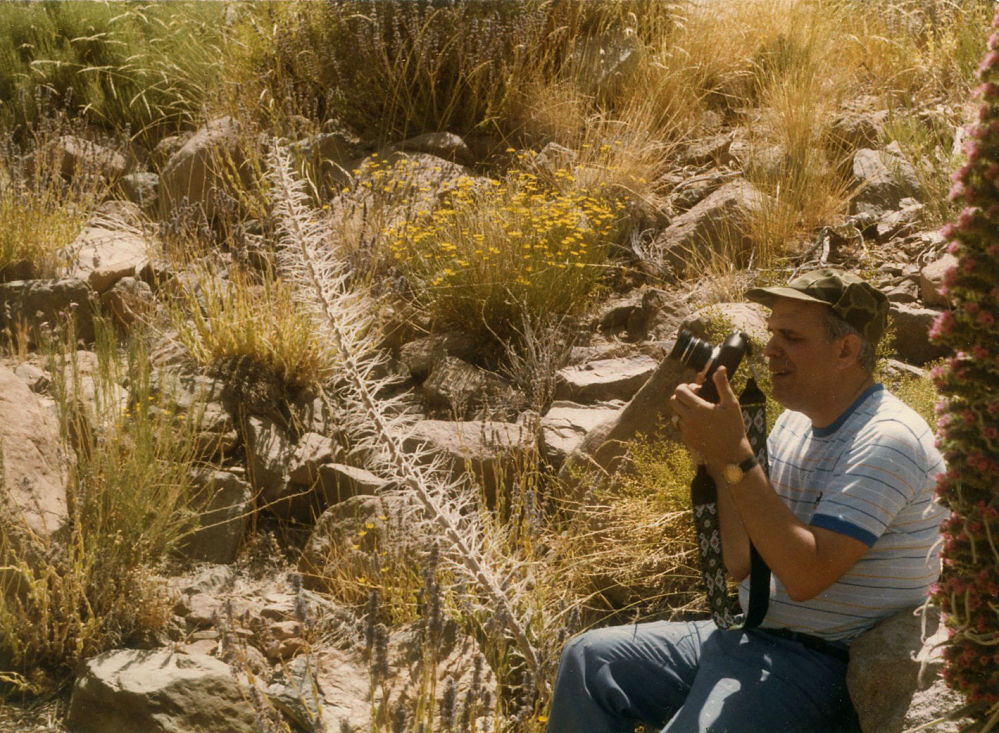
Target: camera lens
<point>691,351</point>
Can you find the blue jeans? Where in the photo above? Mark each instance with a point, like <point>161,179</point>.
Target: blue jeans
<point>683,677</point>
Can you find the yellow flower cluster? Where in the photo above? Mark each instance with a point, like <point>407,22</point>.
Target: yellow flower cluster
<point>493,249</point>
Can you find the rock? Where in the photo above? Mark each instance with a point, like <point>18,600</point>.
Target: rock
<point>690,190</point>
<point>312,451</point>
<point>425,176</point>
<point>202,166</point>
<point>931,280</point>
<point>850,131</point>
<point>717,222</point>
<point>46,303</point>
<point>131,690</point>
<point>339,482</point>
<point>912,325</point>
<point>269,450</point>
<point>128,300</point>
<point>462,390</point>
<point>758,160</point>
<point>900,223</point>
<point>330,153</point>
<point>554,157</point>
<point>886,178</point>
<point>566,424</point>
<point>750,318</point>
<point>37,379</point>
<point>203,397</point>
<point>444,145</point>
<point>885,673</point>
<point>350,532</point>
<point>165,148</point>
<point>604,445</point>
<point>488,449</point>
<point>296,693</point>
<point>34,462</point>
<point>630,314</point>
<point>226,513</point>
<point>142,189</point>
<point>79,158</point>
<point>603,380</point>
<point>711,150</point>
<point>422,355</point>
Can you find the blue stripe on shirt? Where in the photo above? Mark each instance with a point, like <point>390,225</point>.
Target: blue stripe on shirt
<point>835,524</point>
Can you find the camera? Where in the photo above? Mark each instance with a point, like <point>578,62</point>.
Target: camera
<point>699,354</point>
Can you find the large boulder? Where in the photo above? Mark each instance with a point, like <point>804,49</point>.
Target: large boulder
<point>886,178</point>
<point>37,304</point>
<point>202,166</point>
<point>421,355</point>
<point>717,223</point>
<point>78,158</point>
<point>931,280</point>
<point>459,389</point>
<point>605,379</point>
<point>912,326</point>
<point>444,145</point>
<point>133,691</point>
<point>750,318</point>
<point>893,668</point>
<point>225,501</point>
<point>34,464</point>
<point>566,425</point>
<point>102,256</point>
<point>489,449</point>
<point>269,452</point>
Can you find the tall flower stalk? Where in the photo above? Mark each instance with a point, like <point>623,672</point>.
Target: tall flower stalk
<point>968,591</point>
<point>344,316</point>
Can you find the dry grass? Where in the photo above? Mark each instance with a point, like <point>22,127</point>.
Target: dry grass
<point>246,323</point>
<point>66,598</point>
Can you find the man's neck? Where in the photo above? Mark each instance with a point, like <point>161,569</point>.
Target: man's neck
<point>840,401</point>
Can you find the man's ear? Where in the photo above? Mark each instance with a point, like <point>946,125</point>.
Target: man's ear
<point>849,350</point>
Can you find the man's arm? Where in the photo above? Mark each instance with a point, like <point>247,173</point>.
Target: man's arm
<point>806,559</point>
<point>735,539</point>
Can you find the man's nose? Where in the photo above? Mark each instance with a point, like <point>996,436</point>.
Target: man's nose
<point>771,349</point>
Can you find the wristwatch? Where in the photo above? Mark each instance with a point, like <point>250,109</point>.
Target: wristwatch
<point>735,472</point>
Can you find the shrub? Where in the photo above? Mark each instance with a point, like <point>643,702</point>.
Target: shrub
<point>249,328</point>
<point>969,413</point>
<point>495,252</point>
<point>38,221</point>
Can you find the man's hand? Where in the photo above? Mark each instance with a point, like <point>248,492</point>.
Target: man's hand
<point>715,432</point>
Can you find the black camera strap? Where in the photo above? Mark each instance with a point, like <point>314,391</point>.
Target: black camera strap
<point>704,497</point>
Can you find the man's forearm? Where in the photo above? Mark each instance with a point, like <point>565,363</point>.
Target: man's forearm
<point>735,540</point>
<point>805,559</point>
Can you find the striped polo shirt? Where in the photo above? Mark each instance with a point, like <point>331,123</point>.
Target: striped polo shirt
<point>869,475</point>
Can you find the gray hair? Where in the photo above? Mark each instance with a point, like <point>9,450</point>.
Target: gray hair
<point>837,328</point>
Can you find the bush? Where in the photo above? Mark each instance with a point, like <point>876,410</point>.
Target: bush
<point>494,253</point>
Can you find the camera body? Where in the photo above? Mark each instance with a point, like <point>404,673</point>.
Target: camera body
<point>701,355</point>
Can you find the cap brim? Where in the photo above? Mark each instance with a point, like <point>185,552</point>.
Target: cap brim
<point>766,295</point>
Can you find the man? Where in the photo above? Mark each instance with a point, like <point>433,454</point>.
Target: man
<point>846,522</point>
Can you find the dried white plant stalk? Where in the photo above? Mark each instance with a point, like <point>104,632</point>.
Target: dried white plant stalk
<point>309,261</point>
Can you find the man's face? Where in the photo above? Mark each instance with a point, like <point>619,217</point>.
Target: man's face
<point>801,360</point>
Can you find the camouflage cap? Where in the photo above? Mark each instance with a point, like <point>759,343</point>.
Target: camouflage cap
<point>854,300</point>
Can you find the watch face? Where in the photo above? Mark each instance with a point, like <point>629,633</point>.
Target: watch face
<point>733,474</point>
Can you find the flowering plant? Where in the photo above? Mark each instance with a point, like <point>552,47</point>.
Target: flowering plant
<point>968,415</point>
